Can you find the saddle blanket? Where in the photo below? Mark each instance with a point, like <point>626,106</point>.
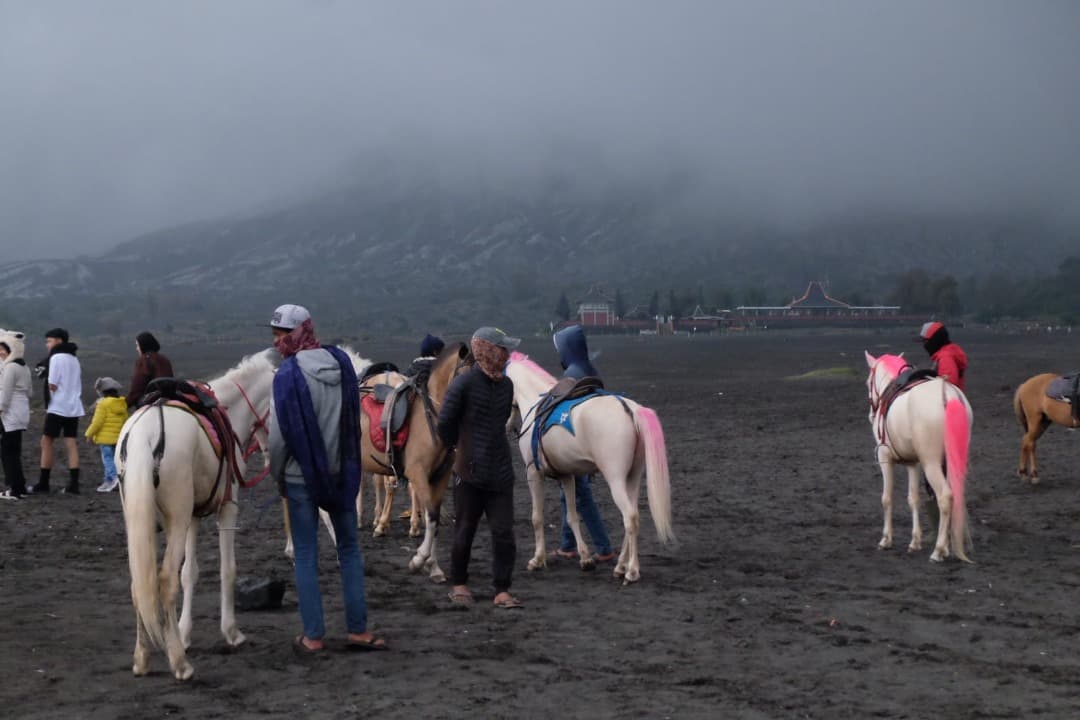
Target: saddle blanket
<point>560,415</point>
<point>374,411</point>
<point>1063,388</point>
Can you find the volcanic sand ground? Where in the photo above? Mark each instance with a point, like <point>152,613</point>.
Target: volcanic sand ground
<point>776,602</point>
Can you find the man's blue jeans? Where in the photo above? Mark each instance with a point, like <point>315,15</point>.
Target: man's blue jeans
<point>304,519</point>
<point>589,514</point>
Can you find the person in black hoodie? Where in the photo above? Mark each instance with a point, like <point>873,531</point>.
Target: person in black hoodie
<point>473,418</point>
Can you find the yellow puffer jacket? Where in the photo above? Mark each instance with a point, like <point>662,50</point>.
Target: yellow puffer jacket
<point>110,413</point>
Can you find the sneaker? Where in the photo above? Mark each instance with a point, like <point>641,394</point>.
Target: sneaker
<point>38,489</point>
<point>10,495</point>
<point>107,486</point>
<point>71,490</point>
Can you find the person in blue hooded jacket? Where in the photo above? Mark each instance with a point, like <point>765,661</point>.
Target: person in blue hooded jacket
<point>574,357</point>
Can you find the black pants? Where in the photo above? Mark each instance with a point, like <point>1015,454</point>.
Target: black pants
<point>470,503</point>
<point>11,460</point>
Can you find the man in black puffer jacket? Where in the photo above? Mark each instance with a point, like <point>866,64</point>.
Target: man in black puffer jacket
<point>473,418</point>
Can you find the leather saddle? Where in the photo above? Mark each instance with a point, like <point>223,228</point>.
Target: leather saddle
<point>1066,389</point>
<point>395,402</point>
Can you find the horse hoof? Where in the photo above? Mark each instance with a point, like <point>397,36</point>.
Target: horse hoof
<point>587,565</point>
<point>631,577</point>
<point>379,531</point>
<point>140,668</point>
<point>235,639</point>
<point>535,564</point>
<point>620,571</point>
<point>415,533</point>
<point>1034,479</point>
<point>184,672</point>
<point>438,578</point>
<point>884,544</point>
<point>415,565</point>
<point>914,547</point>
<point>936,557</point>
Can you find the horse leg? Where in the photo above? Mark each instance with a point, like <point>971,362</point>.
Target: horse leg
<point>141,664</point>
<point>189,577</point>
<point>914,499</point>
<point>226,545</point>
<point>1034,433</point>
<point>625,494</point>
<point>887,475</point>
<point>936,476</point>
<point>167,584</point>
<point>414,513</point>
<point>536,490</point>
<point>585,557</point>
<point>288,531</point>
<point>382,517</point>
<point>360,501</point>
<point>430,497</point>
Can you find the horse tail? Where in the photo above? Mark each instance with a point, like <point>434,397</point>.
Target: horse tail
<point>1018,408</point>
<point>656,471</point>
<point>140,520</point>
<point>957,442</point>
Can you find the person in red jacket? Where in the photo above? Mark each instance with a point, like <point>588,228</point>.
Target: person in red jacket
<point>949,359</point>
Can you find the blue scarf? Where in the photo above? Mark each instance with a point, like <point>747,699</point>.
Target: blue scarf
<point>300,429</point>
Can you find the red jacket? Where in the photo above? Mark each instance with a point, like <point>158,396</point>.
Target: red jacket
<point>951,363</point>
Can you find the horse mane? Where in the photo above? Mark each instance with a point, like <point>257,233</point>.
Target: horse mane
<point>359,363</point>
<point>256,362</point>
<point>893,364</point>
<point>523,360</point>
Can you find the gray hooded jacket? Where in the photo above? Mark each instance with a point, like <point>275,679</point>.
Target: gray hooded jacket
<point>323,376</point>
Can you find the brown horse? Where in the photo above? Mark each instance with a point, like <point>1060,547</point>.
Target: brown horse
<point>1035,411</point>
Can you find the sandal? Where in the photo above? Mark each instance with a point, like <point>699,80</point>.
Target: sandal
<point>509,603</point>
<point>462,599</point>
<point>372,645</point>
<point>606,558</point>
<point>301,649</point>
<point>560,554</point>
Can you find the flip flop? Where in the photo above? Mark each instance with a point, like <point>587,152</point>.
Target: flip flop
<point>605,558</point>
<point>461,599</point>
<point>373,645</point>
<point>303,650</point>
<point>510,603</point>
<point>560,554</point>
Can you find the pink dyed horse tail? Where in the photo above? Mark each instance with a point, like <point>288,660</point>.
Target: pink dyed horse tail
<point>657,477</point>
<point>957,441</point>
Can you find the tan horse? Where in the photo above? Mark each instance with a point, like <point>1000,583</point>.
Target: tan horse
<point>1035,412</point>
<point>426,462</point>
<point>384,487</point>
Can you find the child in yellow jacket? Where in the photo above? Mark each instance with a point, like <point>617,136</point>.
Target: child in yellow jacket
<point>110,414</point>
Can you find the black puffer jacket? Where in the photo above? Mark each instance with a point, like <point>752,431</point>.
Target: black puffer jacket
<point>473,417</point>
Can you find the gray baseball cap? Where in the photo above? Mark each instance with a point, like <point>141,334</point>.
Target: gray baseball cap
<point>289,317</point>
<point>495,336</point>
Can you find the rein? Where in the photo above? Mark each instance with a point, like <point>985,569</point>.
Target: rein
<point>252,445</point>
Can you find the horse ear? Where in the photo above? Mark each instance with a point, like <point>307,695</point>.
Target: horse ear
<point>870,359</point>
<point>902,353</point>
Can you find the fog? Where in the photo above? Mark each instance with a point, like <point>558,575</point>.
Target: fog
<point>122,117</point>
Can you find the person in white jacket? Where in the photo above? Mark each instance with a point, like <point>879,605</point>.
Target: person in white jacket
<point>16,389</point>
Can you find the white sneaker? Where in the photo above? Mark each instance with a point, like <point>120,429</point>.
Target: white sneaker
<point>107,486</point>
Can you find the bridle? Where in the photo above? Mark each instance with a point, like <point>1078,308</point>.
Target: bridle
<point>251,445</point>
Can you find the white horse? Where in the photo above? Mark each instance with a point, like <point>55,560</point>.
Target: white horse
<point>615,436</point>
<point>928,425</point>
<point>168,465</point>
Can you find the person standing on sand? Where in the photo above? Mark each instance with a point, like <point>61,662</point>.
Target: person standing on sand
<point>63,400</point>
<point>473,418</point>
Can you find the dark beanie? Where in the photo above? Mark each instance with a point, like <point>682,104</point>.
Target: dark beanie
<point>147,342</point>
<point>431,346</point>
<point>59,333</point>
<point>7,348</point>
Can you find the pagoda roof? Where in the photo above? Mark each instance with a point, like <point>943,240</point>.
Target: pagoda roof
<point>816,297</point>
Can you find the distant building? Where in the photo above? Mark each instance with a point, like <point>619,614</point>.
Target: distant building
<point>597,308</point>
<point>816,306</point>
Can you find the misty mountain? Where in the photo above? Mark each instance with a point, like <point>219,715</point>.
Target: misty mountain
<point>407,253</point>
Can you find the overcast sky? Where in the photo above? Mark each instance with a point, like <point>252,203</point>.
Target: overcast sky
<point>123,117</point>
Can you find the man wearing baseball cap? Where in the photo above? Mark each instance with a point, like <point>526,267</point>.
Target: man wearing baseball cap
<point>948,358</point>
<point>473,418</point>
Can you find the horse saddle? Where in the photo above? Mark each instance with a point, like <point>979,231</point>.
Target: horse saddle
<point>913,376</point>
<point>565,394</point>
<point>1066,389</point>
<point>196,396</point>
<point>377,369</point>
<point>396,411</point>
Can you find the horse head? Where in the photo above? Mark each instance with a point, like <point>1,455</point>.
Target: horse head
<point>454,358</point>
<point>883,370</point>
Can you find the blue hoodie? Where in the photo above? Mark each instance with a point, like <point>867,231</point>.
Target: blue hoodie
<point>574,353</point>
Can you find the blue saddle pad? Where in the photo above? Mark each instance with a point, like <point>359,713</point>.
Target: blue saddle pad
<point>560,416</point>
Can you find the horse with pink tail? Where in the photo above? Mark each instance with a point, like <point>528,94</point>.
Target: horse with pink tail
<point>613,435</point>
<point>925,422</point>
